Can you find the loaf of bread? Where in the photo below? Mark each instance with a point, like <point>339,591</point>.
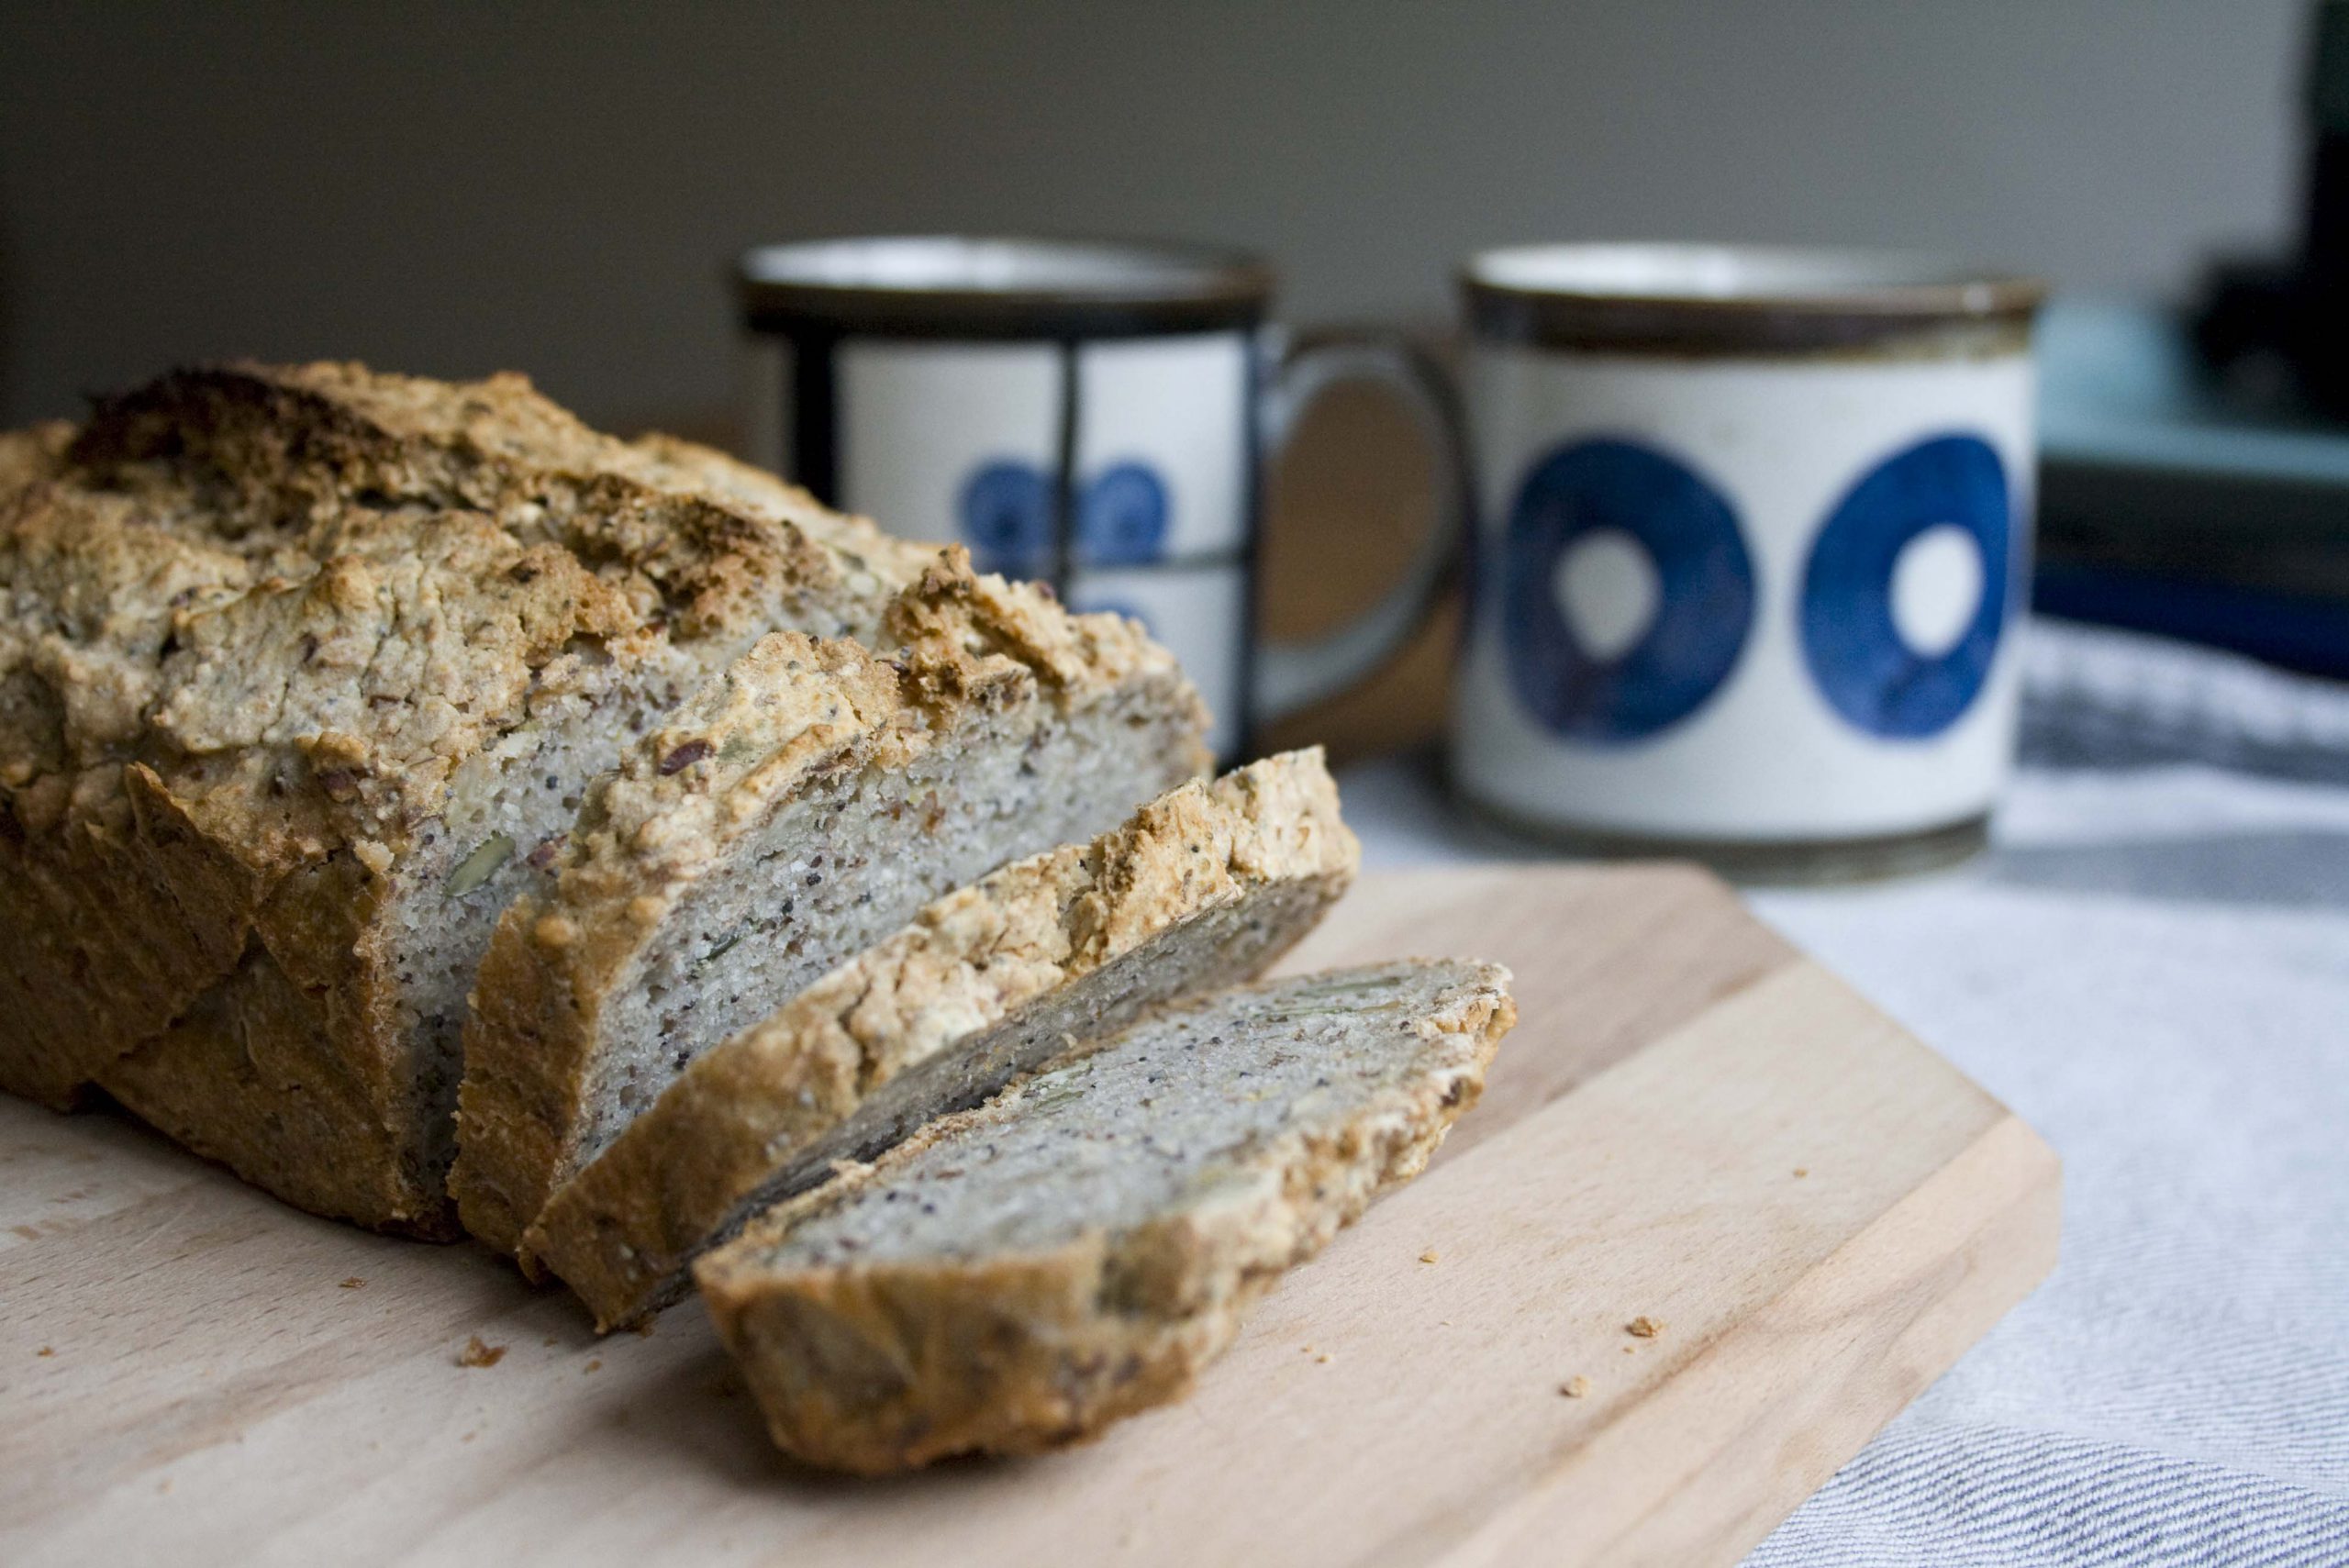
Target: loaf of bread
<point>306,672</point>
<point>1013,1277</point>
<point>1201,889</point>
<point>443,813</point>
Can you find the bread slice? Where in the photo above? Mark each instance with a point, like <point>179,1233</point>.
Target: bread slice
<point>790,815</point>
<point>303,675</point>
<point>1015,1277</point>
<point>1202,888</point>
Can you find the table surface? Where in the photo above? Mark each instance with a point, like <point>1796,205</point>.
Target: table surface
<point>2152,968</point>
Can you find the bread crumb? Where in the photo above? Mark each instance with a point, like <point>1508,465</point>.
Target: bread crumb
<point>47,1350</point>
<point>1645,1327</point>
<point>1802,1170</point>
<point>477,1353</point>
<point>1325,1357</point>
<point>1309,1350</point>
<point>353,1283</point>
<point>595,1365</point>
<point>1627,1349</point>
<point>555,931</point>
<point>1574,1387</point>
<point>1428,1256</point>
<point>643,1330</point>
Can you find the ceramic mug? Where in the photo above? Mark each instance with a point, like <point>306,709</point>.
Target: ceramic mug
<point>1095,415</point>
<point>1752,548</point>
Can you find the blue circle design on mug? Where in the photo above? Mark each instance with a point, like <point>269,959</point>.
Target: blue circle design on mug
<point>1005,510</point>
<point>1704,582</point>
<point>1852,640</point>
<point>1121,517</point>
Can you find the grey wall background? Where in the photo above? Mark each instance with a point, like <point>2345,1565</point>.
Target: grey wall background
<point>556,187</point>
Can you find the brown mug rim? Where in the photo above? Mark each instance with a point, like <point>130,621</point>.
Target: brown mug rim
<point>1167,286</point>
<point>1865,299</point>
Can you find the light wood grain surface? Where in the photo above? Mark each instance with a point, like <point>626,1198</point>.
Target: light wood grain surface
<point>192,1374</point>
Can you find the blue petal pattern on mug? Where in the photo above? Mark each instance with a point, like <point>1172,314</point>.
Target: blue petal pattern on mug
<point>1704,598</point>
<point>1006,509</point>
<point>1862,665</point>
<point>1122,516</point>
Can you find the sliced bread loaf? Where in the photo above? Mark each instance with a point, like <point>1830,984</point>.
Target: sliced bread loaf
<point>1015,1277</point>
<point>1201,889</point>
<point>304,673</point>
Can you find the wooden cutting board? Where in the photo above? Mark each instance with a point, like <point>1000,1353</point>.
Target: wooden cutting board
<point>1692,1124</point>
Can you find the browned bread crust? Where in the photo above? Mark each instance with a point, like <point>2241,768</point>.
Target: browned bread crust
<point>690,537</point>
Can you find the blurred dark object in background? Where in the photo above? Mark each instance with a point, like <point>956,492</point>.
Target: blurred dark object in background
<point>2265,320</point>
<point>2169,504</point>
<point>2196,481</point>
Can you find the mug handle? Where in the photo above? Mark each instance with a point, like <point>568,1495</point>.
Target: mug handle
<point>1294,675</point>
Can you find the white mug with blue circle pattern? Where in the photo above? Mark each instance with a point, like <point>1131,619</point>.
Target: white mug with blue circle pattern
<point>1751,550</point>
<point>1092,415</point>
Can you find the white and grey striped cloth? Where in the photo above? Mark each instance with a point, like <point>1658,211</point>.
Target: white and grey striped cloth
<point>2152,966</point>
